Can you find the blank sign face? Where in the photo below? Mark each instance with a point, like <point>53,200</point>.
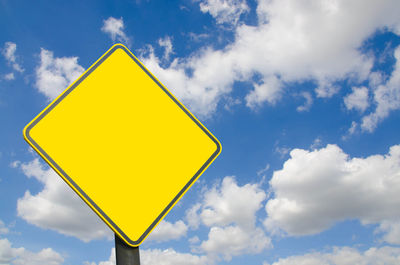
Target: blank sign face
<point>123,143</point>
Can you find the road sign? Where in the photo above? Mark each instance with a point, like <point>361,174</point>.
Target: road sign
<point>123,143</point>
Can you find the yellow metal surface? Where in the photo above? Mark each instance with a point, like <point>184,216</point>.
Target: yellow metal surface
<point>124,143</point>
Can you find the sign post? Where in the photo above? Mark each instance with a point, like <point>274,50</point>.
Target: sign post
<point>124,144</point>
<point>125,254</point>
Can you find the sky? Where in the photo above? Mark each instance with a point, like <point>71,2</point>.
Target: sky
<point>304,96</point>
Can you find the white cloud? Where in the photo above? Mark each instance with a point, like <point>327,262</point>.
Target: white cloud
<point>390,230</point>
<point>54,75</point>
<point>222,205</point>
<point>352,130</point>
<point>318,188</point>
<point>57,207</point>
<point>353,127</point>
<point>166,231</point>
<point>231,218</point>
<point>294,41</point>
<point>317,143</point>
<point>375,79</point>
<point>326,89</point>
<point>114,27</point>
<point>194,240</point>
<point>268,91</point>
<point>282,151</point>
<point>166,43</point>
<point>21,256</point>
<point>308,102</point>
<point>261,172</point>
<point>9,76</point>
<point>386,97</point>
<point>164,257</point>
<point>224,11</point>
<point>192,216</point>
<point>45,256</point>
<point>197,37</point>
<point>201,91</point>
<point>230,103</point>
<point>234,241</point>
<point>345,256</point>
<point>358,99</point>
<point>7,253</point>
<point>9,53</point>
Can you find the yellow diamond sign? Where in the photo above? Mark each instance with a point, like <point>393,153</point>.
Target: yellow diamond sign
<point>123,143</point>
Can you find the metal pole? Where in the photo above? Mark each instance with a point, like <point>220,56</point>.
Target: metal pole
<point>125,254</point>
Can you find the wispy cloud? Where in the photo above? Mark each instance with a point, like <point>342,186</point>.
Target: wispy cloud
<point>225,11</point>
<point>114,28</point>
<point>166,43</point>
<point>9,53</point>
<point>307,103</point>
<point>386,98</point>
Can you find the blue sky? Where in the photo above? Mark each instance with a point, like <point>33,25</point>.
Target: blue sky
<point>304,97</point>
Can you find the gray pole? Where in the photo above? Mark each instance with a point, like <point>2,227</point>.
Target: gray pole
<point>125,254</point>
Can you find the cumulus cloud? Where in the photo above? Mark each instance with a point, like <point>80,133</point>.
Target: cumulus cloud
<point>294,41</point>
<point>234,241</point>
<point>345,256</point>
<point>114,28</point>
<point>57,207</point>
<point>386,98</point>
<point>231,218</point>
<point>358,99</point>
<point>224,11</point>
<point>54,75</point>
<point>21,256</point>
<point>8,52</point>
<point>222,205</point>
<point>318,188</point>
<point>166,231</point>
